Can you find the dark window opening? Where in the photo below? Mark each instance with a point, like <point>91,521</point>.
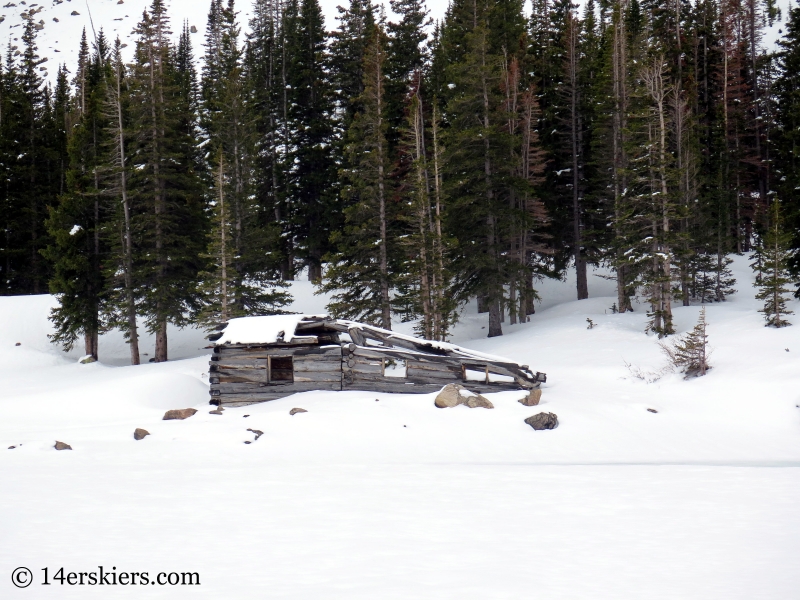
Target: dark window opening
<point>281,369</point>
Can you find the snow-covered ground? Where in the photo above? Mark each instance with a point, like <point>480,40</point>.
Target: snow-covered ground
<point>385,496</point>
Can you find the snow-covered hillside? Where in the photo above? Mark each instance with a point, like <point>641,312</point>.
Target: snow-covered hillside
<point>385,496</point>
<point>61,27</point>
<point>62,21</point>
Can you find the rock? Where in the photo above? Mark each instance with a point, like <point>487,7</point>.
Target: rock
<point>245,416</point>
<point>449,396</point>
<point>652,410</point>
<point>11,447</point>
<point>139,434</point>
<point>294,411</point>
<point>216,411</point>
<point>62,446</point>
<point>18,344</point>
<point>179,414</point>
<point>192,29</point>
<point>543,421</point>
<point>532,399</point>
<point>248,442</point>
<point>454,394</point>
<point>478,401</point>
<point>74,13</point>
<point>87,360</point>
<point>258,433</point>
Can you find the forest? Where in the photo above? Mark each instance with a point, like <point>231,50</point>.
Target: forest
<point>405,166</point>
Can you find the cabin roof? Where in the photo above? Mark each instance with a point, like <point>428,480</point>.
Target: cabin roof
<point>301,329</point>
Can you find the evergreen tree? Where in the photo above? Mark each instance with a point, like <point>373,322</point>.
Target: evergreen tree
<point>360,276</point>
<point>76,225</point>
<point>169,222</point>
<point>266,59</point>
<point>690,352</point>
<point>772,263</point>
<point>313,189</point>
<point>252,271</point>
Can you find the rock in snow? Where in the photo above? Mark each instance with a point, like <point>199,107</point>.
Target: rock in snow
<point>179,414</point>
<point>454,394</point>
<point>139,434</point>
<point>543,421</point>
<point>62,446</point>
<point>532,399</point>
<point>294,411</point>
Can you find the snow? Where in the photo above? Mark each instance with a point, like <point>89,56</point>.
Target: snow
<point>373,495</point>
<point>58,40</point>
<point>260,330</point>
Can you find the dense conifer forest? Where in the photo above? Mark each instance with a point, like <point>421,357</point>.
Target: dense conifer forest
<point>405,166</point>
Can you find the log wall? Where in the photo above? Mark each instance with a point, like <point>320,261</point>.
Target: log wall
<point>241,375</point>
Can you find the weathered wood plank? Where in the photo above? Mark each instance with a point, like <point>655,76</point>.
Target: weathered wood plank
<point>437,375</point>
<point>255,388</point>
<point>279,351</point>
<point>318,377</point>
<point>301,366</point>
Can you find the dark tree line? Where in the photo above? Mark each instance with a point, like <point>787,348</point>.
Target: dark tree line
<point>406,166</point>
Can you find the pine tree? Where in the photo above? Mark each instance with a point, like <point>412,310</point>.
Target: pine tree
<point>266,72</point>
<point>77,223</point>
<point>359,274</point>
<point>251,273</point>
<point>772,261</point>
<point>690,352</point>
<point>169,220</point>
<point>786,139</point>
<point>313,188</point>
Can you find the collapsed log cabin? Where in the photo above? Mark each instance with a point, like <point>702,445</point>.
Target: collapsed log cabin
<point>257,359</point>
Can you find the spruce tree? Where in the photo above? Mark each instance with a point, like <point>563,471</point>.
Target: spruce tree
<point>169,219</point>
<point>313,188</point>
<point>76,225</point>
<point>690,352</point>
<point>359,275</point>
<point>772,263</point>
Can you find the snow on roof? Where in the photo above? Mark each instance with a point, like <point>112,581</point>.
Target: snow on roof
<point>261,330</point>
<point>272,329</point>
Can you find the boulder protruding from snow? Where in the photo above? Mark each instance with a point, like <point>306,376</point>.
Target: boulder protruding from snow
<point>62,446</point>
<point>140,434</point>
<point>544,420</point>
<point>532,399</point>
<point>454,394</point>
<point>294,411</point>
<point>179,414</point>
<point>85,360</point>
<point>216,411</point>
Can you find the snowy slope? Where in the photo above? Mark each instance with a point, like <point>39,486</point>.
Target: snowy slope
<point>60,34</point>
<point>61,29</point>
<point>384,496</point>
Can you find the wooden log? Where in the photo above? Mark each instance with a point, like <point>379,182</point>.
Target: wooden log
<point>279,351</point>
<point>428,367</point>
<point>433,375</point>
<point>255,388</point>
<point>301,366</point>
<point>357,336</point>
<point>318,377</point>
<point>366,368</point>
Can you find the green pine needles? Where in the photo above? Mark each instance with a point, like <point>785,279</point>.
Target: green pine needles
<point>689,353</point>
<point>771,261</point>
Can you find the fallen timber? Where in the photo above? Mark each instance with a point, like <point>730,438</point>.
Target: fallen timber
<point>322,353</point>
